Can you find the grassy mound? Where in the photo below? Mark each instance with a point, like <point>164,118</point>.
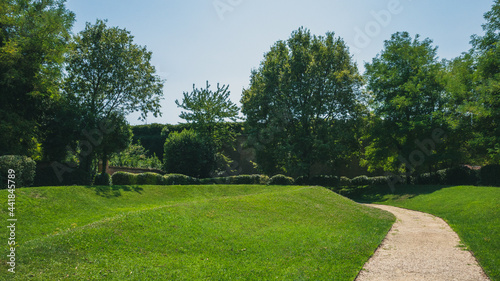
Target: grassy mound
<point>191,233</point>
<point>472,211</point>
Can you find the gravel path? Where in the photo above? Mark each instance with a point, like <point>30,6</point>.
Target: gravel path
<point>420,246</point>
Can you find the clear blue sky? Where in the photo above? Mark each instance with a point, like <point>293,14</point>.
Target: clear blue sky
<point>223,40</point>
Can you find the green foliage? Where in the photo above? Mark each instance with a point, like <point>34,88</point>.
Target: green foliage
<point>190,154</point>
<point>460,175</point>
<point>345,182</point>
<point>281,180</point>
<point>124,178</point>
<point>135,155</point>
<point>321,180</point>
<point>360,181</point>
<point>431,178</point>
<point>108,77</point>
<point>208,111</point>
<point>33,41</point>
<point>150,179</point>
<point>24,170</point>
<point>179,179</point>
<point>406,96</point>
<point>302,104</point>
<point>103,179</point>
<point>489,175</point>
<point>241,179</point>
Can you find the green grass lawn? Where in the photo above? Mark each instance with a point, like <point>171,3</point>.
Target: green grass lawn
<point>191,233</point>
<point>472,211</point>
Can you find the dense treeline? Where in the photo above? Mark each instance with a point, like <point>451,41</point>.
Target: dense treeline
<point>307,109</point>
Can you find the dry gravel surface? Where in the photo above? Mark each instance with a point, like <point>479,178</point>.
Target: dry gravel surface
<point>420,246</point>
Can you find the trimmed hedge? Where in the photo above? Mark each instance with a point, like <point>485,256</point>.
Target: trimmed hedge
<point>489,175</point>
<point>124,178</point>
<point>102,179</point>
<point>322,180</point>
<point>345,181</point>
<point>281,180</point>
<point>460,175</point>
<point>24,168</point>
<point>360,181</point>
<point>149,178</point>
<point>178,179</point>
<point>241,179</point>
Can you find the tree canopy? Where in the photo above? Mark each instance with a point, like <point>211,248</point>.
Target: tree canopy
<point>302,103</point>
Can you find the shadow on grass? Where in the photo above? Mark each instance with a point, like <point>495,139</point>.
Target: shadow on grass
<point>114,190</point>
<point>382,193</point>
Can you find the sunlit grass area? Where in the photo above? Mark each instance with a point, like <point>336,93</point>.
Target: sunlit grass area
<point>212,232</point>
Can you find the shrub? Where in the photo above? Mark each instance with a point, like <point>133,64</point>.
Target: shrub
<point>124,178</point>
<point>360,181</point>
<point>345,181</point>
<point>150,179</point>
<point>189,154</point>
<point>178,179</point>
<point>382,180</point>
<point>248,179</point>
<point>102,179</point>
<point>281,180</point>
<point>23,166</point>
<point>460,175</point>
<point>489,175</point>
<point>322,180</point>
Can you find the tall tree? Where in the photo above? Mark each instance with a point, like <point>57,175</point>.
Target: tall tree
<point>406,91</point>
<point>109,76</point>
<point>301,105</point>
<point>209,111</point>
<point>487,50</point>
<point>33,41</point>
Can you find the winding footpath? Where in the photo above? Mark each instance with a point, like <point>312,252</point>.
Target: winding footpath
<point>420,246</point>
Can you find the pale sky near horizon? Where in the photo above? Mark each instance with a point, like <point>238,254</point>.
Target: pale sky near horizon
<point>223,40</point>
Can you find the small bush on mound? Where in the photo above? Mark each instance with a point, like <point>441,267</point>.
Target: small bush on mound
<point>281,180</point>
<point>489,175</point>
<point>150,179</point>
<point>102,179</point>
<point>178,179</point>
<point>23,166</point>
<point>124,178</point>
<point>382,180</point>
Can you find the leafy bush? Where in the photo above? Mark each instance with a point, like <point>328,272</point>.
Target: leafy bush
<point>460,175</point>
<point>360,181</point>
<point>322,180</point>
<point>249,179</point>
<point>241,179</point>
<point>124,178</point>
<point>431,178</point>
<point>345,181</point>
<point>382,180</point>
<point>150,179</point>
<point>23,166</point>
<point>178,179</point>
<point>189,154</point>
<point>489,175</point>
<point>102,179</point>
<point>281,180</point>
